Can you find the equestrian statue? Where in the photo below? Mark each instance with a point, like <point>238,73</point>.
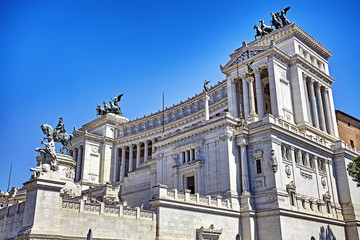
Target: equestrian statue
<point>58,134</point>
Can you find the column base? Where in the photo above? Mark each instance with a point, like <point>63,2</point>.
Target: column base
<point>253,117</point>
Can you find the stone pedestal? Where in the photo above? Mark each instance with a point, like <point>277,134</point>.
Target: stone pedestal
<point>42,207</point>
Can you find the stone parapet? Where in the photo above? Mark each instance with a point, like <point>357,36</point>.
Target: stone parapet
<point>162,192</point>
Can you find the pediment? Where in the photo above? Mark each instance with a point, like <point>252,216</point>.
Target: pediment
<point>242,54</point>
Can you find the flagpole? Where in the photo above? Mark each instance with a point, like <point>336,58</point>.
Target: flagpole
<point>9,178</point>
<point>163,115</point>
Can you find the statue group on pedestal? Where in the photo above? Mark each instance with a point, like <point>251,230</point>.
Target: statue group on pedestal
<point>48,160</point>
<point>113,108</point>
<point>278,20</point>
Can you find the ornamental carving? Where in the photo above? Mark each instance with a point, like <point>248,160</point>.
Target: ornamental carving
<point>323,182</point>
<point>198,153</point>
<point>273,162</point>
<point>288,171</point>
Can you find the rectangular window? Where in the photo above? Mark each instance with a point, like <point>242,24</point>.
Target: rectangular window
<point>352,143</point>
<point>183,157</point>
<point>258,166</point>
<point>188,155</point>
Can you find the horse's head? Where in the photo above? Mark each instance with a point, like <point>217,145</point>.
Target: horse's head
<point>261,21</point>
<point>272,14</point>
<point>256,26</point>
<point>46,129</point>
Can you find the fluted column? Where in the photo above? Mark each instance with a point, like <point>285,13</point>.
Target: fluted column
<point>123,149</point>
<point>329,122</point>
<point>314,114</point>
<point>244,166</point>
<point>320,106</point>
<point>245,98</point>
<point>252,115</point>
<point>138,149</point>
<point>259,94</point>
<point>146,151</point>
<point>131,155</point>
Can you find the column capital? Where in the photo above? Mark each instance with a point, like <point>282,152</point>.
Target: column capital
<point>250,79</point>
<point>242,142</point>
<point>257,72</point>
<point>305,76</point>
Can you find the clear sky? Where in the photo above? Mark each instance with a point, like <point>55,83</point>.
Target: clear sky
<point>62,58</point>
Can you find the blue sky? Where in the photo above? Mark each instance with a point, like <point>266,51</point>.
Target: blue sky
<point>62,58</point>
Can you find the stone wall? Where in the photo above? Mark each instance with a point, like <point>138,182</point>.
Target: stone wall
<point>181,214</point>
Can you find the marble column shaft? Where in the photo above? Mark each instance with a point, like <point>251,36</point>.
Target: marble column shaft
<point>314,114</point>
<point>252,113</point>
<point>138,149</point>
<point>259,94</point>
<point>244,167</point>
<point>123,149</point>
<point>245,98</point>
<point>320,107</point>
<point>131,155</point>
<point>146,151</point>
<point>329,123</point>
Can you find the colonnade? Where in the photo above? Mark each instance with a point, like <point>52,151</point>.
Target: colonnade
<point>319,110</point>
<point>78,156</point>
<point>131,156</point>
<point>250,110</point>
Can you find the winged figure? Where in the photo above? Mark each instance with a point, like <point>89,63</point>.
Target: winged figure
<point>283,18</point>
<point>206,88</point>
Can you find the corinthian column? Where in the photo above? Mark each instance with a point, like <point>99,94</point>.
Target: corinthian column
<point>245,98</point>
<point>320,106</point>
<point>138,150</point>
<point>329,123</point>
<point>131,155</point>
<point>259,94</point>
<point>123,149</point>
<point>146,151</point>
<point>314,115</point>
<point>252,115</point>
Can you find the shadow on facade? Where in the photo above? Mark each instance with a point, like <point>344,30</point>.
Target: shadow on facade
<point>325,234</point>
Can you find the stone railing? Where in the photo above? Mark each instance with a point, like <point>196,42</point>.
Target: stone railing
<point>185,196</point>
<point>119,210</point>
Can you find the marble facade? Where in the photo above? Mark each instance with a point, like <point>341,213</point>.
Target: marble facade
<point>259,157</point>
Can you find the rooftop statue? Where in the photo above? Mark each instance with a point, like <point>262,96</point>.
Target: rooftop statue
<point>58,134</point>
<point>113,108</point>
<point>206,88</point>
<point>277,20</point>
<point>259,31</point>
<point>283,18</point>
<point>266,29</point>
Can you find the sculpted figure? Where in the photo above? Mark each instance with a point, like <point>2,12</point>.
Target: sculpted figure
<point>100,111</point>
<point>59,129</point>
<point>117,99</point>
<point>114,108</point>
<point>58,134</point>
<point>275,21</point>
<point>259,31</point>
<point>266,29</point>
<point>283,18</point>
<point>206,88</point>
<point>48,160</point>
<point>106,107</point>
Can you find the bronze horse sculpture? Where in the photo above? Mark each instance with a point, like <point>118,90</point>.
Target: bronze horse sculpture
<point>64,138</point>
